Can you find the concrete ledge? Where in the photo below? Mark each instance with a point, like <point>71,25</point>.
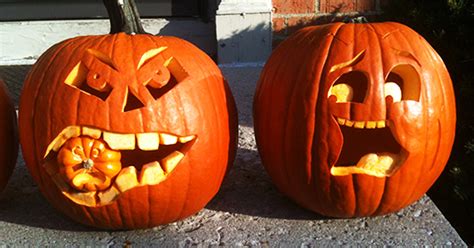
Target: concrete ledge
<point>248,210</point>
<point>243,31</point>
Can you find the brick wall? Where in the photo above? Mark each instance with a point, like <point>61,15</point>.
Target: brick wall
<point>291,15</point>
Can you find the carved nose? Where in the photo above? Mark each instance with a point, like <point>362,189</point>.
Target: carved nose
<point>132,102</point>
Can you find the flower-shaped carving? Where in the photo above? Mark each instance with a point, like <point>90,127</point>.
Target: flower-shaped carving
<point>88,164</point>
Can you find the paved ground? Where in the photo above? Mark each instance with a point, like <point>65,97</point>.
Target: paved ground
<point>248,211</point>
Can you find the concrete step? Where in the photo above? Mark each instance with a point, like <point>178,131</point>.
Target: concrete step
<point>248,210</point>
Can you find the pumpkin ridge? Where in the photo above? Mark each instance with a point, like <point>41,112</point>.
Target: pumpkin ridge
<point>287,115</point>
<point>326,68</point>
<point>218,123</point>
<point>409,195</point>
<point>377,211</point>
<point>429,53</point>
<point>376,204</point>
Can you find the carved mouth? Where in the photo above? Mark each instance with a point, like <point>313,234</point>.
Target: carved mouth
<point>93,167</point>
<point>369,148</point>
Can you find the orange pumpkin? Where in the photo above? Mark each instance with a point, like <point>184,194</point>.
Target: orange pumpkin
<point>8,136</point>
<point>127,130</point>
<point>354,119</point>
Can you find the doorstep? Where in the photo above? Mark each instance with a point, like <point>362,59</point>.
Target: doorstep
<point>247,211</point>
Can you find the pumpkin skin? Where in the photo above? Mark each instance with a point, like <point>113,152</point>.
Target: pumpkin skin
<point>8,136</point>
<point>301,120</point>
<point>195,102</point>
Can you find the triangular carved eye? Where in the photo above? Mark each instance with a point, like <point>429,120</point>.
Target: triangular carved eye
<point>132,102</point>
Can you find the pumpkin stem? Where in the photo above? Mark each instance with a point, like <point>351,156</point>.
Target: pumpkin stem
<point>124,17</point>
<point>358,19</point>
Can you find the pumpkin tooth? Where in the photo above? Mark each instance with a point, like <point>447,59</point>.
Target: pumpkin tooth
<point>371,125</point>
<point>349,123</point>
<point>186,139</point>
<point>380,124</point>
<point>148,141</point>
<point>168,139</point>
<point>171,161</point>
<point>359,124</point>
<point>108,196</point>
<point>67,133</point>
<point>91,132</point>
<point>83,198</point>
<point>127,179</point>
<point>152,174</point>
<point>341,121</point>
<point>118,141</point>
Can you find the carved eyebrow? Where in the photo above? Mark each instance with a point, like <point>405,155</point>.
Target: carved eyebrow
<point>406,55</point>
<point>102,57</point>
<point>149,55</point>
<point>351,62</point>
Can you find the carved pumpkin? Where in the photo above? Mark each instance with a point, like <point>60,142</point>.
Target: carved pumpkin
<point>127,130</point>
<point>8,136</point>
<point>354,119</point>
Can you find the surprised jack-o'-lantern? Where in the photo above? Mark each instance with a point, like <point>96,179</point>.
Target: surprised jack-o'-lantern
<point>127,130</point>
<point>354,119</point>
<point>8,136</point>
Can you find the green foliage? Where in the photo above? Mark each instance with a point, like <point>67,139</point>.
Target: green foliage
<point>448,25</point>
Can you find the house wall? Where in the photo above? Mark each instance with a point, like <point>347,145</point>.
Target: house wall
<point>291,15</point>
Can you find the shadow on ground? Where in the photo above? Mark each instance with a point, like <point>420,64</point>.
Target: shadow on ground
<point>248,190</point>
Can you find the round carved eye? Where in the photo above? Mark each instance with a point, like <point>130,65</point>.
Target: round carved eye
<point>95,152</point>
<point>78,151</point>
<point>96,76</point>
<point>350,87</point>
<point>393,89</point>
<point>342,91</point>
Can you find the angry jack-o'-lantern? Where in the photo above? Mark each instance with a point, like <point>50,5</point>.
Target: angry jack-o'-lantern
<point>354,119</point>
<point>8,136</point>
<point>127,130</point>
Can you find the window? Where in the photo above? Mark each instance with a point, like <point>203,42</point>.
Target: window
<point>18,10</point>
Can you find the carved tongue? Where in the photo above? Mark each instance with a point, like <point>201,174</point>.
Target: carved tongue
<point>378,165</point>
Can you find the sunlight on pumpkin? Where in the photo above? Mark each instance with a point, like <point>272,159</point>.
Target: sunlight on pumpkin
<point>103,58</point>
<point>343,92</point>
<point>393,89</point>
